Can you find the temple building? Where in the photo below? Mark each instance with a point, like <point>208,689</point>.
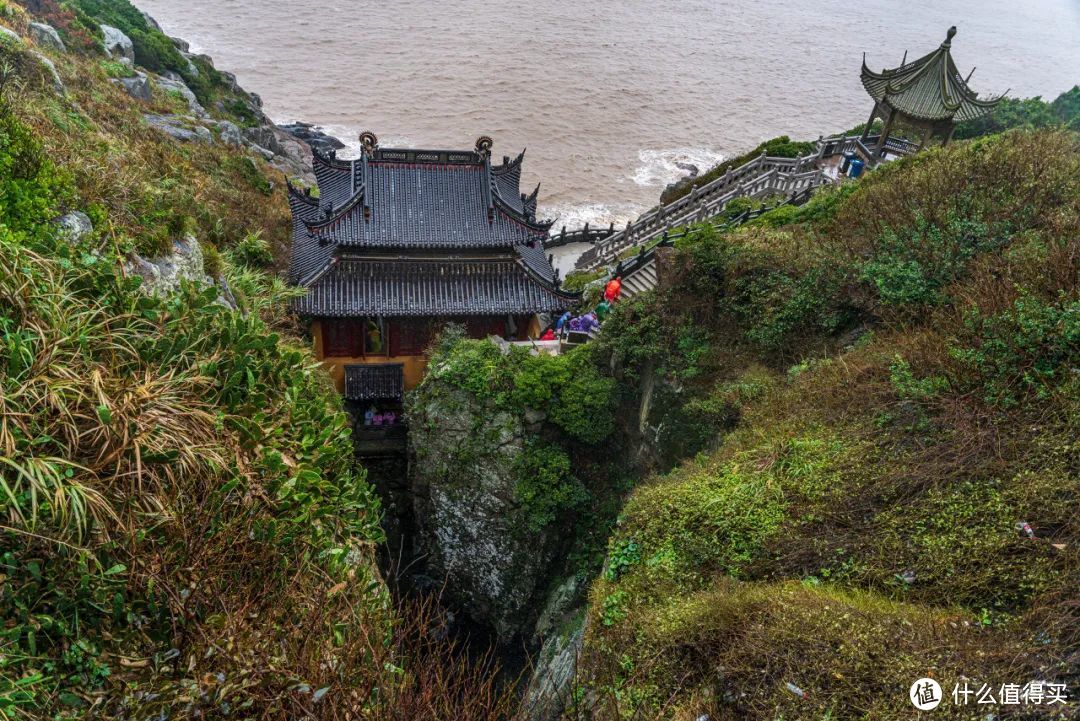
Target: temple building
<point>928,94</point>
<point>399,242</point>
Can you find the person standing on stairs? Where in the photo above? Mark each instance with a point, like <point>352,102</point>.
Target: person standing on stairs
<point>613,290</point>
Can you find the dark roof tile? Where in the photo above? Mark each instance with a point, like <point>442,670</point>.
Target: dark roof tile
<point>393,288</point>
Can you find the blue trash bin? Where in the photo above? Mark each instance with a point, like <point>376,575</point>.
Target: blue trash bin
<point>857,166</point>
<point>844,166</point>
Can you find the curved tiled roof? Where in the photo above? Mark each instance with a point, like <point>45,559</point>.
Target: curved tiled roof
<point>335,178</point>
<point>442,233</point>
<point>308,255</point>
<point>506,180</point>
<point>433,287</point>
<point>425,205</point>
<point>930,88</point>
<point>536,261</point>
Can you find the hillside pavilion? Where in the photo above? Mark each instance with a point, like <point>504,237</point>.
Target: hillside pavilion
<point>929,94</point>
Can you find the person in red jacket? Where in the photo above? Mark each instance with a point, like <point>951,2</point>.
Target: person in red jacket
<point>613,290</point>
<point>549,334</point>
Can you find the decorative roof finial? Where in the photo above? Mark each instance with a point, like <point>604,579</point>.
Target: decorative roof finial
<point>368,141</point>
<point>483,145</point>
<point>950,35</point>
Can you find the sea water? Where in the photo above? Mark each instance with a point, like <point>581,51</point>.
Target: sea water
<point>614,99</point>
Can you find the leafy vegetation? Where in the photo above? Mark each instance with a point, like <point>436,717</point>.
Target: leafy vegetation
<point>151,190</point>
<point>891,369</point>
<point>1027,113</point>
<point>78,23</point>
<point>183,527</point>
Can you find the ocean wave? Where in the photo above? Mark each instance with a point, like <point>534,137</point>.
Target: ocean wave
<point>576,215</point>
<point>657,168</point>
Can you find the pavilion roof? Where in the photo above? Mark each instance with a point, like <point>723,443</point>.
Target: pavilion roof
<point>929,88</point>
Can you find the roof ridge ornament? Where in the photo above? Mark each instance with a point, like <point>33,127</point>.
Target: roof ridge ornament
<point>949,36</point>
<point>368,142</point>
<point>483,145</point>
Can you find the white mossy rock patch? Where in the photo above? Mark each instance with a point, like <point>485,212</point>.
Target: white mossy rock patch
<point>118,45</point>
<point>74,227</point>
<point>7,35</point>
<point>165,274</point>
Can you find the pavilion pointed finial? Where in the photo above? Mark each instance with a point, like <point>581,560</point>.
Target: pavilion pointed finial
<point>949,36</point>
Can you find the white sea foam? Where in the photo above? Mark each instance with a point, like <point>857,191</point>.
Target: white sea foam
<point>576,215</point>
<point>657,168</point>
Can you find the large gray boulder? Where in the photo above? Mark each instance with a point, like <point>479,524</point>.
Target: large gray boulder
<point>266,136</point>
<point>173,83</point>
<point>118,45</point>
<point>137,87</point>
<point>265,154</point>
<point>230,133</point>
<point>178,128</point>
<point>53,74</point>
<point>45,36</point>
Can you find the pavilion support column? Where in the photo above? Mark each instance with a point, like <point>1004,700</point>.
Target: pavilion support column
<point>884,133</point>
<point>927,134</point>
<point>869,124</point>
<point>948,137</point>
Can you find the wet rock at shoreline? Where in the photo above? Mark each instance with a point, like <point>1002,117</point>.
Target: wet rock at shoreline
<point>313,136</point>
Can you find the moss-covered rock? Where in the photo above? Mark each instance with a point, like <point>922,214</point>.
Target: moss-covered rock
<point>497,438</point>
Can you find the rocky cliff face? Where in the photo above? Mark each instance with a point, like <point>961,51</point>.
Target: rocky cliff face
<point>470,522</point>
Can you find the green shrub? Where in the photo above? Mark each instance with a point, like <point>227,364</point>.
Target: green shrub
<point>252,251</point>
<point>31,187</point>
<point>569,388</point>
<point>153,49</point>
<point>1029,350</point>
<point>170,470</point>
<point>1028,113</point>
<point>546,486</point>
<point>912,267</point>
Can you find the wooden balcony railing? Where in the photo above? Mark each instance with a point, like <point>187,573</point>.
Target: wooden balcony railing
<point>375,382</point>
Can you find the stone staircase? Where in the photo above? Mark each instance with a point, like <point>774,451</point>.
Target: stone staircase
<point>640,273</point>
<point>762,177</point>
